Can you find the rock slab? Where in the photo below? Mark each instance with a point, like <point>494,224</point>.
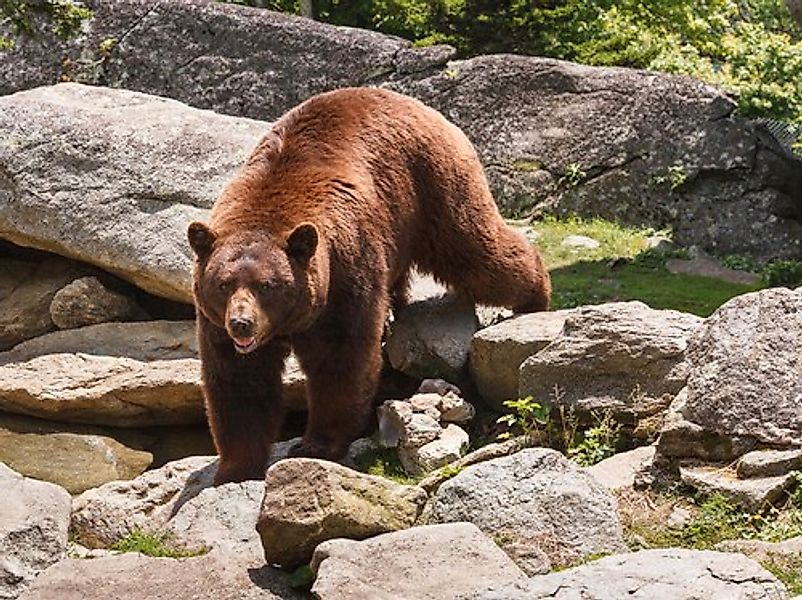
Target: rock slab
<point>652,575</point>
<point>435,562</point>
<point>113,178</point>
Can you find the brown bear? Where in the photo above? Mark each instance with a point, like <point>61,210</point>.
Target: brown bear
<point>312,242</point>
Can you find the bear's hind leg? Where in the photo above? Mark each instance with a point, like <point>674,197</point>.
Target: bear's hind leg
<point>500,269</point>
<point>243,402</point>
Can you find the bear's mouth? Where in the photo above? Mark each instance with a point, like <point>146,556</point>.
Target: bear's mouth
<point>243,345</point>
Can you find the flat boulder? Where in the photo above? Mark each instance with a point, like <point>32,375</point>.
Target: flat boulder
<point>139,577</point>
<point>435,562</point>
<point>651,575</point>
<point>75,458</point>
<point>534,498</point>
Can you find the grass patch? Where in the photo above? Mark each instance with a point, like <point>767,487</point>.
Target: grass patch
<point>157,545</point>
<point>622,269</point>
<point>384,462</point>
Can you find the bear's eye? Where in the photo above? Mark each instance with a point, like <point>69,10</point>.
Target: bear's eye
<point>223,286</point>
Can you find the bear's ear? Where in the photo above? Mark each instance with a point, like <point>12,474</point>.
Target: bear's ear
<point>302,243</point>
<point>201,239</point>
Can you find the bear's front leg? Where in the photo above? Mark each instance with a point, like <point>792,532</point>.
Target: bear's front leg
<point>243,401</point>
<point>342,365</point>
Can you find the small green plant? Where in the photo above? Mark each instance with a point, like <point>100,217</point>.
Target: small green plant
<point>302,578</point>
<point>674,176</point>
<point>451,470</point>
<point>107,46</point>
<point>154,544</point>
<point>384,462</point>
<point>783,273</point>
<point>597,442</point>
<point>742,263</point>
<point>527,418</point>
<point>573,175</point>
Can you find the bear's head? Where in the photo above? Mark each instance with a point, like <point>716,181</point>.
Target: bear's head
<point>257,286</point>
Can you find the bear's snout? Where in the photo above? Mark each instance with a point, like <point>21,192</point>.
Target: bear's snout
<point>241,327</point>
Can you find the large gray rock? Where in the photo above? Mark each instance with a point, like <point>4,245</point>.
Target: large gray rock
<point>632,146</point>
<point>27,288</point>
<point>113,177</point>
<point>672,574</point>
<point>436,562</point>
<point>104,390</point>
<point>227,58</point>
<point>624,357</point>
<point>34,517</point>
<point>144,341</point>
<point>533,498</point>
<point>753,493</point>
<point>106,514</point>
<point>498,351</point>
<point>152,346</point>
<point>308,501</point>
<point>743,381</point>
<point>215,576</point>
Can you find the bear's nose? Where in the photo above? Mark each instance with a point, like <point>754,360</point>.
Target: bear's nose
<point>241,326</point>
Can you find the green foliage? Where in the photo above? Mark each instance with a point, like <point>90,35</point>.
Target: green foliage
<point>597,442</point>
<point>783,273</point>
<point>20,15</point>
<point>302,578</point>
<point>157,545</point>
<point>573,175</point>
<point>451,470</point>
<point>559,429</point>
<point>384,462</point>
<point>749,46</point>
<point>527,418</point>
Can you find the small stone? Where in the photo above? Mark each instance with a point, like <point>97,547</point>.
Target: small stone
<point>392,416</point>
<point>419,430</point>
<point>86,301</point>
<point>437,386</point>
<point>768,463</point>
<point>427,404</point>
<point>454,409</point>
<point>620,470</point>
<point>752,494</point>
<point>678,518</point>
<point>580,242</point>
<point>448,447</point>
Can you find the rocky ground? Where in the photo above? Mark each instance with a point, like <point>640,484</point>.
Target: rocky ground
<point>103,445</point>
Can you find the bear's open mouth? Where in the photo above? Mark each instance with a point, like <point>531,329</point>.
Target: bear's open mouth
<point>244,345</point>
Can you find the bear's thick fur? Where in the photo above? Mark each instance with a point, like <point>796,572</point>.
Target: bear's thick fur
<point>313,241</point>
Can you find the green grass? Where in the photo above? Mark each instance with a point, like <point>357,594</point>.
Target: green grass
<point>156,545</point>
<point>622,269</point>
<point>384,462</point>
